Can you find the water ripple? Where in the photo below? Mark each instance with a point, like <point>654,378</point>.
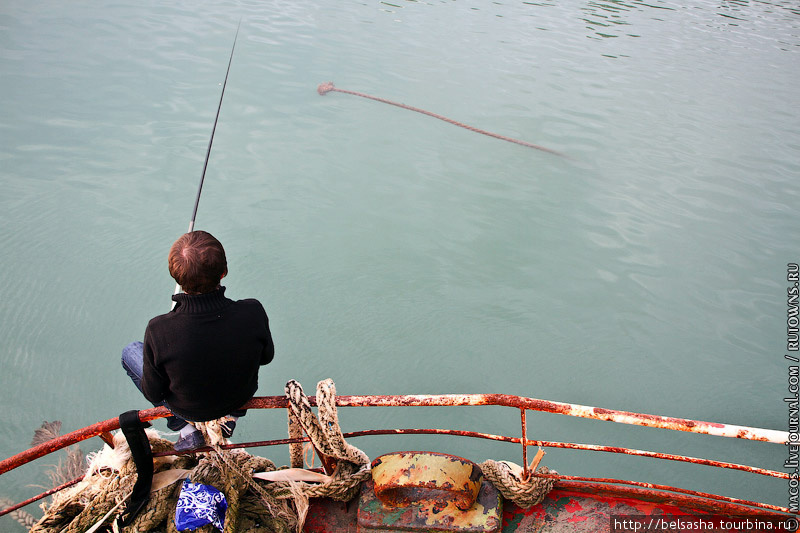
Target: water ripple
<point>643,271</point>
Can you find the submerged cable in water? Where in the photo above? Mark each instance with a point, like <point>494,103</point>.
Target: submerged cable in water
<point>327,87</point>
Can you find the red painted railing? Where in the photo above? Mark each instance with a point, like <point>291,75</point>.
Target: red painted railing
<point>719,503</point>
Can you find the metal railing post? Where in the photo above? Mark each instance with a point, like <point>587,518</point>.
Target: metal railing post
<point>523,418</point>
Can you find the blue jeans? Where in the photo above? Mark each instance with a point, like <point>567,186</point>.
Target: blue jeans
<point>133,361</point>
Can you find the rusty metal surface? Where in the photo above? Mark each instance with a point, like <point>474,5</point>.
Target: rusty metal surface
<point>524,440</point>
<point>583,411</point>
<point>688,502</point>
<point>103,429</point>
<point>326,516</point>
<point>615,486</point>
<point>572,507</point>
<point>484,516</point>
<point>41,496</point>
<point>501,438</point>
<point>566,510</point>
<point>405,478</point>
<point>573,446</point>
<point>74,437</point>
<point>534,404</point>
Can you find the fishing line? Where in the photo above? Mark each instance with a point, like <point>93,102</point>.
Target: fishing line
<point>327,87</point>
<point>210,142</point>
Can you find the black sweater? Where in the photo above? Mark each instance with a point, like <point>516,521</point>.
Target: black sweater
<point>203,357</point>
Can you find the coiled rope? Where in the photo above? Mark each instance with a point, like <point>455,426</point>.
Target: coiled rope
<point>254,505</point>
<point>352,466</point>
<point>327,87</point>
<point>512,486</point>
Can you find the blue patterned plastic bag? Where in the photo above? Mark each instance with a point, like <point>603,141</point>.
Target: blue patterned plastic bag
<point>199,505</point>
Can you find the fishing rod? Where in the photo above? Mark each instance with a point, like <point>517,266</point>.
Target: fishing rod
<point>210,142</point>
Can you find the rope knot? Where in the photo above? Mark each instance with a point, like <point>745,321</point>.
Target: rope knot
<point>325,88</point>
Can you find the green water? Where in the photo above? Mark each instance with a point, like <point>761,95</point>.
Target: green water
<point>398,254</point>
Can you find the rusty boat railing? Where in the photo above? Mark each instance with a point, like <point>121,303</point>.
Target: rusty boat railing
<point>634,489</point>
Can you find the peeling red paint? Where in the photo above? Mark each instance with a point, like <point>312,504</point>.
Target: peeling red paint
<point>551,515</point>
<point>573,506</point>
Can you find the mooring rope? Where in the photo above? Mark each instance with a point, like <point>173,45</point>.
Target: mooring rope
<point>327,87</point>
<point>524,493</point>
<point>254,505</point>
<point>353,466</point>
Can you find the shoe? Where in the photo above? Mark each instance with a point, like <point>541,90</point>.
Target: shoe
<point>191,442</point>
<point>227,428</point>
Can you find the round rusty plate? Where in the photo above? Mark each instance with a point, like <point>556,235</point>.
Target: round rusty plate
<point>402,478</point>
